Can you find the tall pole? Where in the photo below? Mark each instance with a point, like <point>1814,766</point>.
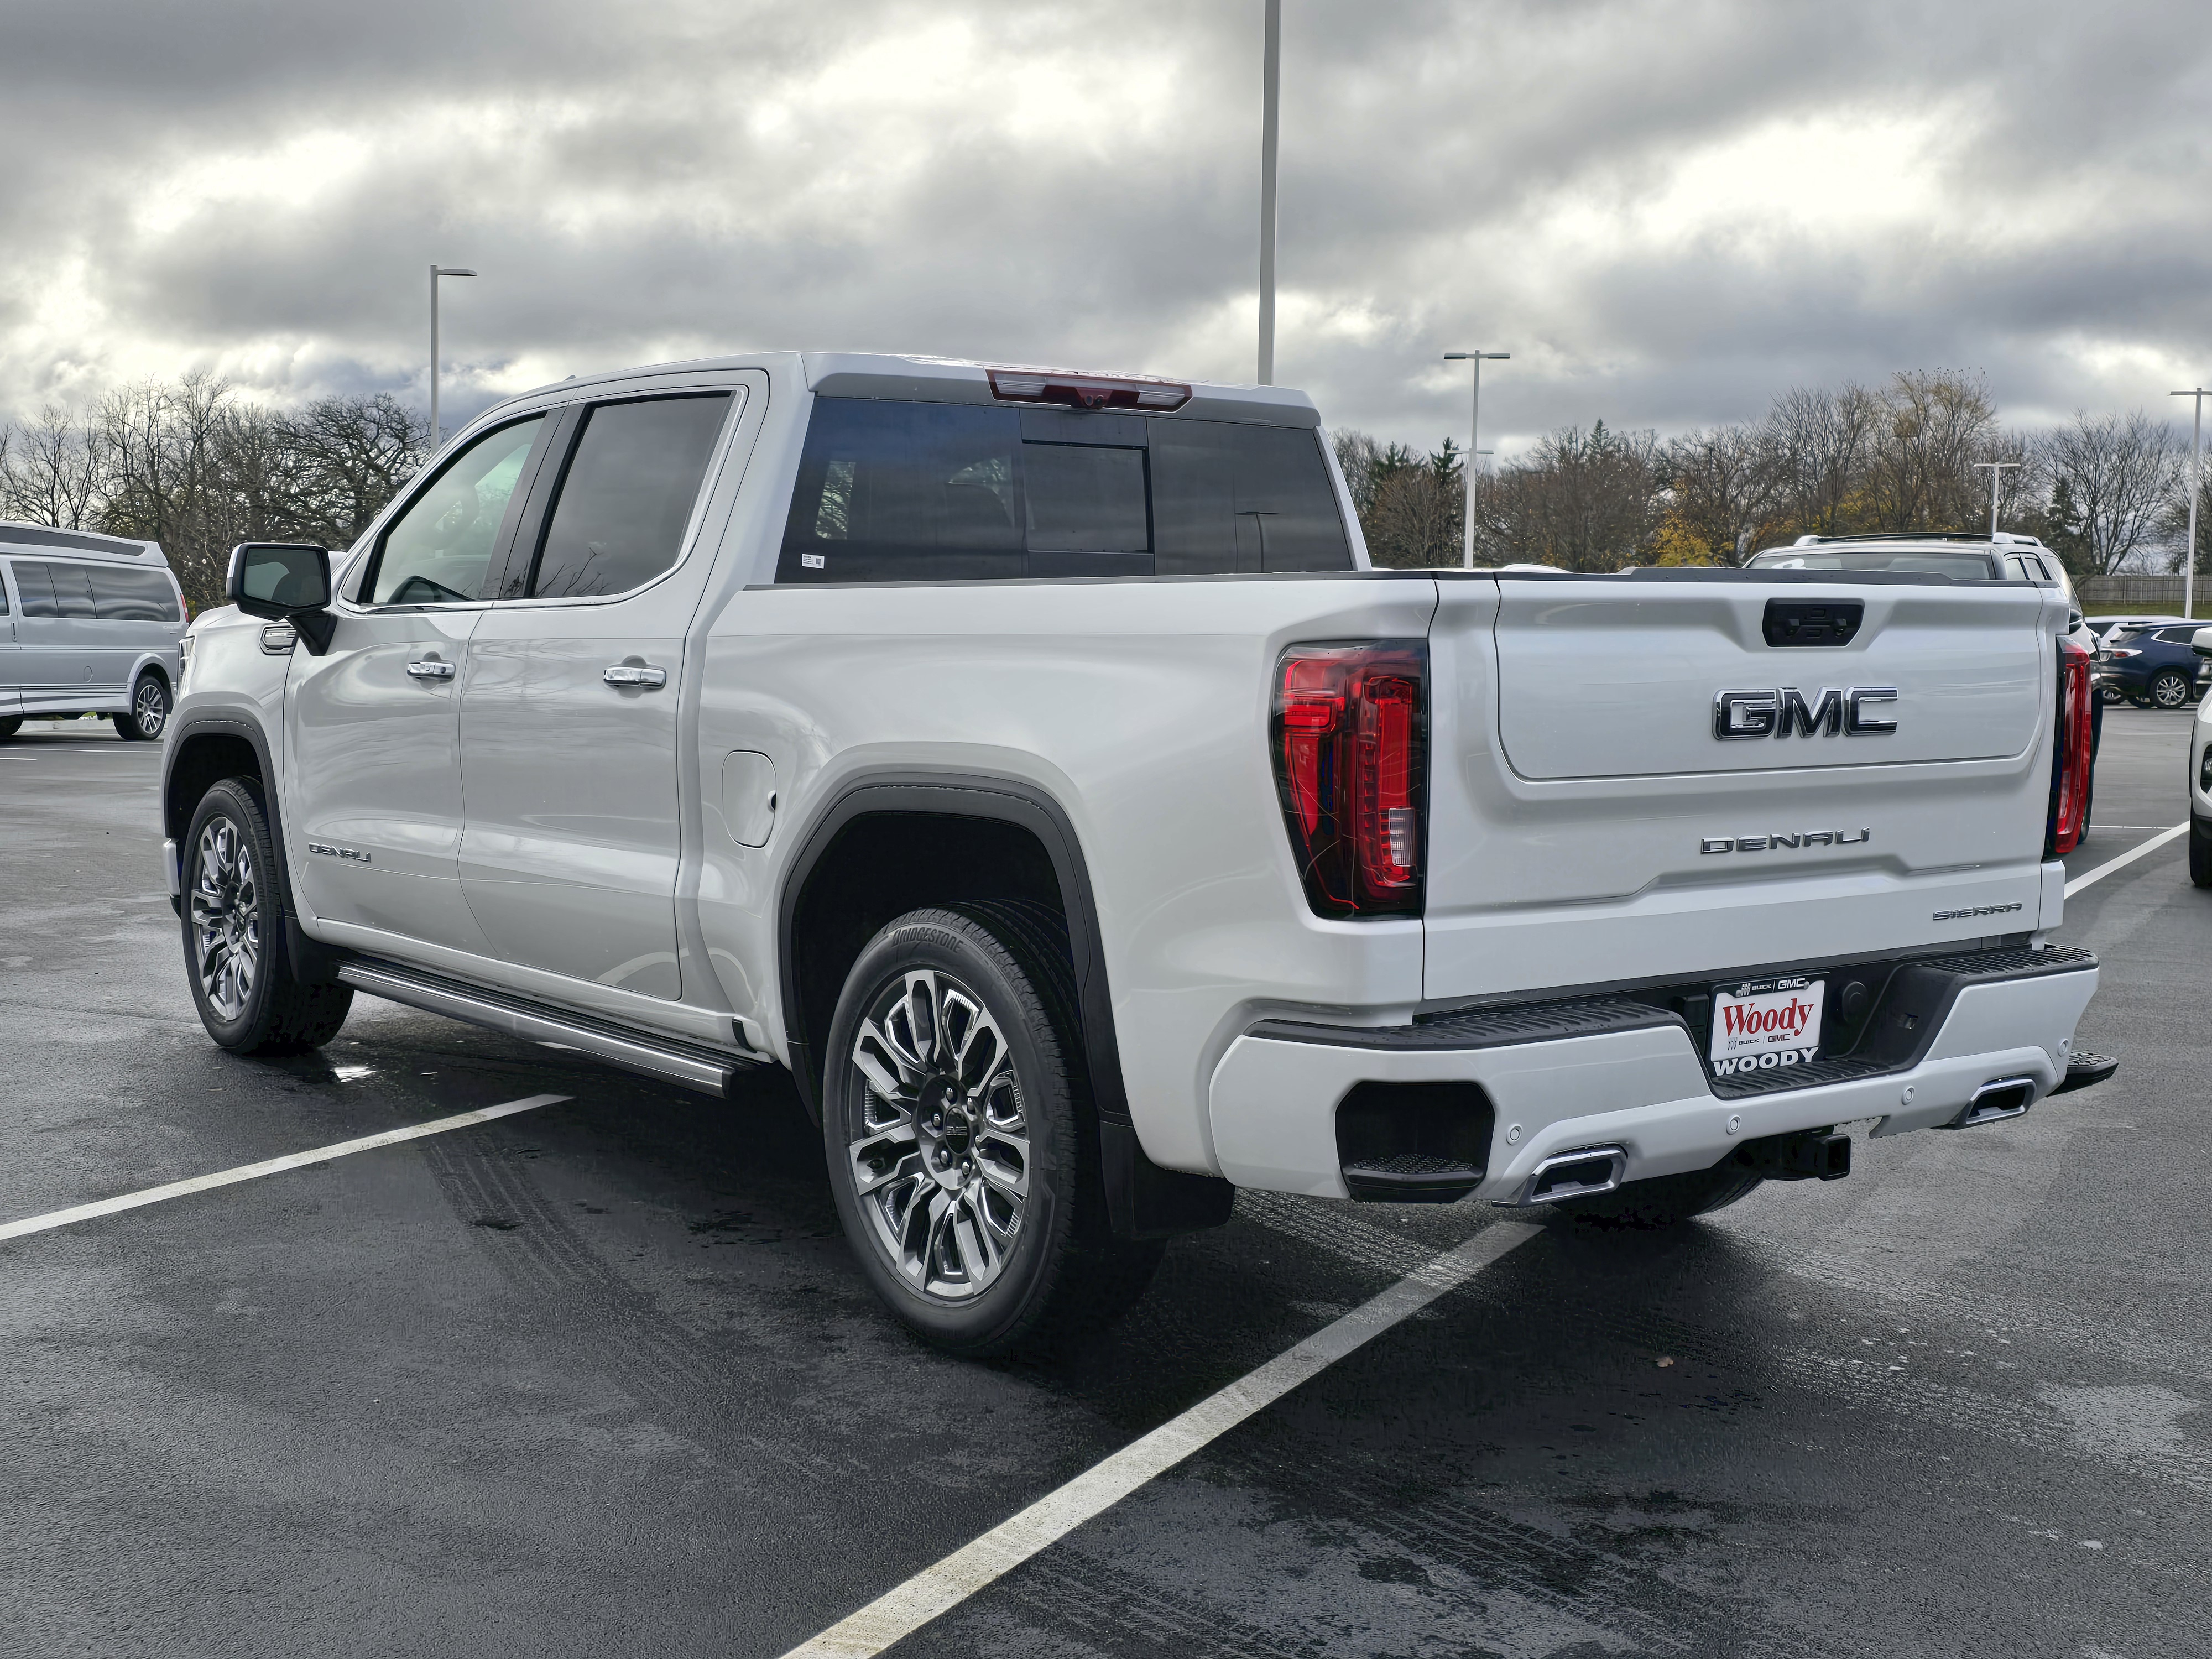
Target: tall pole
<point>1271,103</point>
<point>436,272</point>
<point>1474,450</point>
<point>2195,489</point>
<point>1996,476</point>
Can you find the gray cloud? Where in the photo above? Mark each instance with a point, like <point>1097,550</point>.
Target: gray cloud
<point>1666,212</point>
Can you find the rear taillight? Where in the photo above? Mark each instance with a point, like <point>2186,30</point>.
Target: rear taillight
<point>2070,763</point>
<point>1348,736</point>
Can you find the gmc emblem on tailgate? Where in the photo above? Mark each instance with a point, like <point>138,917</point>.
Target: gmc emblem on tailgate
<point>1776,714</point>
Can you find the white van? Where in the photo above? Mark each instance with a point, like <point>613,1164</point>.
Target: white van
<point>89,625</point>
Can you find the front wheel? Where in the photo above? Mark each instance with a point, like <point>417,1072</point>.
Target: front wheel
<point>149,711</point>
<point>2170,688</point>
<point>2200,852</point>
<point>235,957</point>
<point>961,1152</point>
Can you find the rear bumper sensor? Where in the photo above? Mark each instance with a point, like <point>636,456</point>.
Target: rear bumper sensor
<point>669,1059</point>
<point>2085,1070</point>
<point>1578,1173</point>
<point>1995,1101</point>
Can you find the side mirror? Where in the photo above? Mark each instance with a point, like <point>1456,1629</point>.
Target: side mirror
<point>2201,641</point>
<point>285,581</point>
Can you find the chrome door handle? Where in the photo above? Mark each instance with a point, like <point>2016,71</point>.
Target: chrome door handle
<point>628,673</point>
<point>431,669</point>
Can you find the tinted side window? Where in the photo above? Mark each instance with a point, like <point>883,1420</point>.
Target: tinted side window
<point>2180,635</point>
<point>905,492</point>
<point>632,475</point>
<point>437,550</point>
<point>1229,497</point>
<point>36,588</point>
<point>121,595</point>
<point>72,590</point>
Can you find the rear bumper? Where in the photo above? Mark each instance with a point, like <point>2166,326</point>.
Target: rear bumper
<point>1600,1075</point>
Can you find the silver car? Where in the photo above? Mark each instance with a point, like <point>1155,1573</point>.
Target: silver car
<point>89,625</point>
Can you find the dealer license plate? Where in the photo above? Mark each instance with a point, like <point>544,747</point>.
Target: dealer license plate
<point>1764,1024</point>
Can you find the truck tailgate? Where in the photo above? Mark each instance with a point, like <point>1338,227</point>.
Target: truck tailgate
<point>1590,825</point>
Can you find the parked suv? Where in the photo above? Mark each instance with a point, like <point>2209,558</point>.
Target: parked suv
<point>1032,764</point>
<point>2155,667</point>
<point>91,626</point>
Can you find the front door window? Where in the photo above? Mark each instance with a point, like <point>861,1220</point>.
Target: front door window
<point>436,551</point>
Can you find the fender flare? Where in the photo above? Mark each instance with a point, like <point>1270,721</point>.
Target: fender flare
<point>1143,1200</point>
<point>311,959</point>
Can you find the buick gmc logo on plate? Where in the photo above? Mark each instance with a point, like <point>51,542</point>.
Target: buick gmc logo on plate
<point>1763,1025</point>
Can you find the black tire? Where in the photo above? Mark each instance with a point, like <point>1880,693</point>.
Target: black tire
<point>10,726</point>
<point>2108,695</point>
<point>2170,689</point>
<point>2200,851</point>
<point>240,973</point>
<point>149,711</point>
<point>969,1288</point>
<point>1661,1202</point>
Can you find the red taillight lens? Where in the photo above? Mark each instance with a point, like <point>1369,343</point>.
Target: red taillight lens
<point>2070,764</point>
<point>1348,737</point>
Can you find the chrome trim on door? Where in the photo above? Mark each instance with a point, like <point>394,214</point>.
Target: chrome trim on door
<point>431,669</point>
<point>623,673</point>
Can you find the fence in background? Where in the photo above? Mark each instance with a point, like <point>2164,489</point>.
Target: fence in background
<point>2128,592</point>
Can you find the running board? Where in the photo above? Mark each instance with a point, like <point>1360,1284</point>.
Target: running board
<point>668,1059</point>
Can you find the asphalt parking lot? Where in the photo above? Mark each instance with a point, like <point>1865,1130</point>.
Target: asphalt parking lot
<point>601,1379</point>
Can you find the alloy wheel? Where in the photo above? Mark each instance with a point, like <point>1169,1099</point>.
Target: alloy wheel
<point>2169,690</point>
<point>941,1161</point>
<point>226,914</point>
<point>151,708</point>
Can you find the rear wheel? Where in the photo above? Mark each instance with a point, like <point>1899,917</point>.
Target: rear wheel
<point>2170,688</point>
<point>235,957</point>
<point>1663,1201</point>
<point>957,1122</point>
<point>149,711</point>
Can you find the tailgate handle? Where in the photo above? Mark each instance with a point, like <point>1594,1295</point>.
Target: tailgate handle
<point>1813,622</point>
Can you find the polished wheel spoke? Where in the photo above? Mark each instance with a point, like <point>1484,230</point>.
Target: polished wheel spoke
<point>225,918</point>
<point>940,1148</point>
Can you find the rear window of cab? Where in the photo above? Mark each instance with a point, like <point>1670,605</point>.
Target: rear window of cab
<point>900,492</point>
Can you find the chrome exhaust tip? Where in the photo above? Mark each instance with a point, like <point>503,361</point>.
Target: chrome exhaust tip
<point>1578,1173</point>
<point>1997,1100</point>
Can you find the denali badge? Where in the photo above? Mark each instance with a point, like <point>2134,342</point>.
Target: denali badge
<point>349,854</point>
<point>1778,712</point>
<point>1773,842</point>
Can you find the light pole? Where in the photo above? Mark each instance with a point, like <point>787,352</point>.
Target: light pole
<point>1996,476</point>
<point>1475,435</point>
<point>1271,103</point>
<point>437,438</point>
<point>2195,489</point>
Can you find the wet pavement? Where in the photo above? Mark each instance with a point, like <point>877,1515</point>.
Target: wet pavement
<point>602,1378</point>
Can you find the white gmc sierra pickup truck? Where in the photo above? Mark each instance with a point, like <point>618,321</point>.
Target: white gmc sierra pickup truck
<point>1032,763</point>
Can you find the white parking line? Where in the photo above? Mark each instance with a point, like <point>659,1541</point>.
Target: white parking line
<point>2126,858</point>
<point>936,1590</point>
<point>39,1224</point>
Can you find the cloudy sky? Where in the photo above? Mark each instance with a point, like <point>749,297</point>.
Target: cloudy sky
<point>1666,212</point>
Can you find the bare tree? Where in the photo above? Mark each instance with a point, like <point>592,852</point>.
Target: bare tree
<point>1582,501</point>
<point>55,474</point>
<point>1824,441</point>
<point>1730,486</point>
<point>1935,424</point>
<point>2120,474</point>
<point>349,456</point>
